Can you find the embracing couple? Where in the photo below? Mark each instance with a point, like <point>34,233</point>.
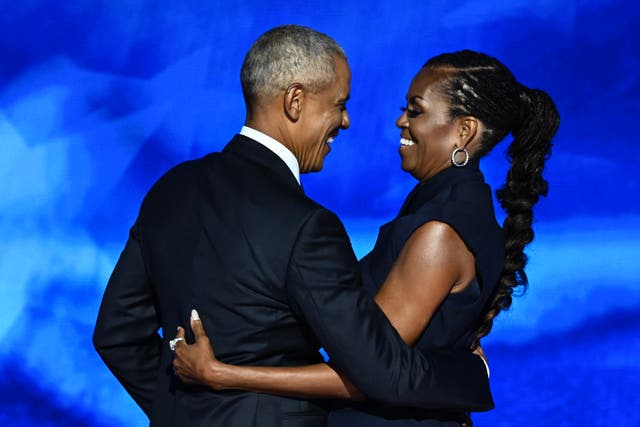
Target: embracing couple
<point>247,277</point>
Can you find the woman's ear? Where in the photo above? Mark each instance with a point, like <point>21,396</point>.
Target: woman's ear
<point>468,130</point>
<point>293,99</point>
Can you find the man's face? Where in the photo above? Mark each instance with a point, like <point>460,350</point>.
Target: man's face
<point>323,115</point>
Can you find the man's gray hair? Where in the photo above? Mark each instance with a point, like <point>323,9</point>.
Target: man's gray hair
<point>285,55</point>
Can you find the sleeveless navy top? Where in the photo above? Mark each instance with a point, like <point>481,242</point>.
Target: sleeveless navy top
<point>460,198</point>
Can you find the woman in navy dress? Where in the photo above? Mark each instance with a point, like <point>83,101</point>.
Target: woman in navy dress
<point>443,268</point>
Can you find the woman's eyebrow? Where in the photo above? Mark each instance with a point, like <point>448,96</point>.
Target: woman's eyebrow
<point>413,98</point>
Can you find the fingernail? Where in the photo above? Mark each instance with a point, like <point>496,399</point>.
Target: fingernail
<point>194,315</point>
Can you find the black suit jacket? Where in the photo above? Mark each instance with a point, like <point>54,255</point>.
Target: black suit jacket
<point>273,276</point>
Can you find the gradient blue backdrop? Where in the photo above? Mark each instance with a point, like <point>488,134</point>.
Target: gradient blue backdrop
<point>98,98</point>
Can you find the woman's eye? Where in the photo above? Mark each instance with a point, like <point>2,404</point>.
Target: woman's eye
<point>411,113</point>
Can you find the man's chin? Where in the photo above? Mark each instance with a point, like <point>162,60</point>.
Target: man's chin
<point>313,169</point>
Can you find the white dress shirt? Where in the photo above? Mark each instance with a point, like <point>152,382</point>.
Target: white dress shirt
<point>276,147</point>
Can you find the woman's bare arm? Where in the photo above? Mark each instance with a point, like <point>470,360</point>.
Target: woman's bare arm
<point>197,364</point>
<point>433,262</point>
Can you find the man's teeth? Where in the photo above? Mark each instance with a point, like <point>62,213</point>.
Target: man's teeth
<point>406,142</point>
<point>330,140</point>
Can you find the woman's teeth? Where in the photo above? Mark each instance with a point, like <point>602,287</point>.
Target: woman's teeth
<point>406,142</point>
<point>329,140</point>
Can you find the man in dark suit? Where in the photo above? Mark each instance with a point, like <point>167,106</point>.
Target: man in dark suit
<point>271,272</point>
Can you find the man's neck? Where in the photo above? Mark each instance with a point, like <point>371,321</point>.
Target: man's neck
<point>269,126</point>
<point>275,147</point>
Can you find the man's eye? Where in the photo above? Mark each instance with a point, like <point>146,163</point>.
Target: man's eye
<point>411,113</point>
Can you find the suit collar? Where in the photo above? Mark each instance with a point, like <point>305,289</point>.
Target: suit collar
<point>255,152</point>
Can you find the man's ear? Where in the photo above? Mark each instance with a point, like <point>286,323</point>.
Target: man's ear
<point>468,130</point>
<point>293,98</point>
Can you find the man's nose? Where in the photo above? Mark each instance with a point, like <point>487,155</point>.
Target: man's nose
<point>345,120</point>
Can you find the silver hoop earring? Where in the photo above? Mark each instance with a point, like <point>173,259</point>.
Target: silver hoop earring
<point>466,157</point>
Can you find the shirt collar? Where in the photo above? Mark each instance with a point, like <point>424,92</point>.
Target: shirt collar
<point>276,147</point>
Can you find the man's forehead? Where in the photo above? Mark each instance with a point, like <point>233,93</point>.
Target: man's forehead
<point>344,77</point>
<point>342,67</point>
<point>342,93</point>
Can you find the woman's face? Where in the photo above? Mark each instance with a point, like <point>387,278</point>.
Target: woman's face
<point>428,135</point>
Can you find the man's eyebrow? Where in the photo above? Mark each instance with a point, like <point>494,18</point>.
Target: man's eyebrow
<point>413,98</point>
<point>343,100</point>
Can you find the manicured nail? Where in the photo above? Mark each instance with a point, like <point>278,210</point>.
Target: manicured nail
<point>194,315</point>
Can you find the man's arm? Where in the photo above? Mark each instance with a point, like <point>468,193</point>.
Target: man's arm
<point>433,263</point>
<point>126,332</point>
<point>323,288</point>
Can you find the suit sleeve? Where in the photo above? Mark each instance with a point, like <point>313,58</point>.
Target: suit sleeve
<point>126,333</point>
<point>324,289</point>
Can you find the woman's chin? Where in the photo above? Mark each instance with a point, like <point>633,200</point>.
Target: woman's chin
<point>406,167</point>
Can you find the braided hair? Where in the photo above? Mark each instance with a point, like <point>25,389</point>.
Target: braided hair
<point>479,85</point>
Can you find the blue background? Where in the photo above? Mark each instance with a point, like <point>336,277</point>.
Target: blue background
<point>98,98</point>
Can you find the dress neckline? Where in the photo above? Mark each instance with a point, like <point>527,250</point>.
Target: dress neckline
<point>431,187</point>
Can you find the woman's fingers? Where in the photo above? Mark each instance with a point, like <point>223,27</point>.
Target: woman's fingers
<point>180,367</point>
<point>196,325</point>
<point>177,340</point>
<point>190,360</point>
